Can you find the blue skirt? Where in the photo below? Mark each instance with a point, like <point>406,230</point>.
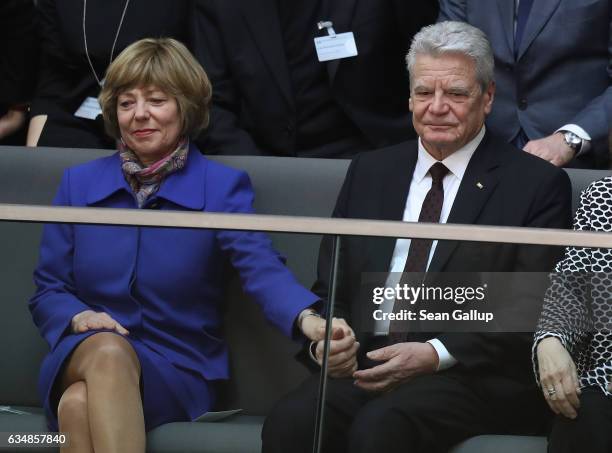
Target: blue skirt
<point>169,393</point>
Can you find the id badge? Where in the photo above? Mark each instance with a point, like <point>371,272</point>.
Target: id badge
<point>341,45</point>
<point>89,109</point>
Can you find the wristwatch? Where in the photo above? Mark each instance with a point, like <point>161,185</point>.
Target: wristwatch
<point>573,141</point>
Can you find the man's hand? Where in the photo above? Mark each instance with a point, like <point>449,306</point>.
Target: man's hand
<point>552,148</point>
<point>342,353</point>
<point>402,361</point>
<point>342,348</point>
<point>558,377</point>
<point>91,320</point>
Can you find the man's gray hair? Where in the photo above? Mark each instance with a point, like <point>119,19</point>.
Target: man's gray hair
<point>455,37</point>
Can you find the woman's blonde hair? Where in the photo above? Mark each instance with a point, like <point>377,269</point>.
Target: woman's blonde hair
<point>167,64</point>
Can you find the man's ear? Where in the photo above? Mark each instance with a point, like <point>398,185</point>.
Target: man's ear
<point>489,97</point>
<point>410,105</point>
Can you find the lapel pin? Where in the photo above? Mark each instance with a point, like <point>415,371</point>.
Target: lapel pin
<point>479,185</point>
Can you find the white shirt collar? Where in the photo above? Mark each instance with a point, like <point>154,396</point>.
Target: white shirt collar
<point>456,163</point>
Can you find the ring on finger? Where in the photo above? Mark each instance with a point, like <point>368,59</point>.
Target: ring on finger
<point>551,391</point>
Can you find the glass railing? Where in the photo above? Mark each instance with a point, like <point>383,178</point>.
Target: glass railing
<point>472,314</point>
<point>487,294</point>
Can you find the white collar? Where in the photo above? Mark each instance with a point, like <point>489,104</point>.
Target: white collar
<point>456,163</point>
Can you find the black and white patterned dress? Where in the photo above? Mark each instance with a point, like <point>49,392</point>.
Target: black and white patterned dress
<point>578,304</point>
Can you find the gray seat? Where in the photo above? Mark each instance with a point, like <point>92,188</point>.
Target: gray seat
<point>502,444</point>
<point>581,179</point>
<point>262,362</point>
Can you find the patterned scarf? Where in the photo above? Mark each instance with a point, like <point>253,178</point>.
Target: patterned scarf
<point>145,181</point>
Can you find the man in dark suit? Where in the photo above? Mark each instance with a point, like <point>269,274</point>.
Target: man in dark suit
<point>420,391</point>
<point>272,95</point>
<point>553,74</point>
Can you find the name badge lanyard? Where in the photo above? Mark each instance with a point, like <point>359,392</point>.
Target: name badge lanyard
<point>334,46</point>
<point>329,25</point>
<point>326,8</point>
<point>93,70</point>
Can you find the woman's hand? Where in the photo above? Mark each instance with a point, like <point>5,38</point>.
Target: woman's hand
<point>558,377</point>
<point>342,348</point>
<point>91,320</point>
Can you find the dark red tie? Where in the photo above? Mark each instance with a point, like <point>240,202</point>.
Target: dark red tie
<point>418,254</point>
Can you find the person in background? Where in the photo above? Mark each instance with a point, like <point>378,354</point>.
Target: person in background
<point>573,344</point>
<point>78,42</point>
<point>276,95</point>
<point>133,315</point>
<point>18,65</point>
<point>553,74</point>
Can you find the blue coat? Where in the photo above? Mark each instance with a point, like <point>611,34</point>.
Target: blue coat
<point>164,285</point>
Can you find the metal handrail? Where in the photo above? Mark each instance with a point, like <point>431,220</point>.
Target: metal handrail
<point>297,224</point>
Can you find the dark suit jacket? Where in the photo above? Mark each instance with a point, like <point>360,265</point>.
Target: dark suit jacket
<point>562,74</point>
<point>253,105</point>
<point>19,52</point>
<point>519,190</point>
<point>18,60</point>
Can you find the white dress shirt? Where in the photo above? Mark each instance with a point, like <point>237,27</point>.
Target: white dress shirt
<point>419,186</point>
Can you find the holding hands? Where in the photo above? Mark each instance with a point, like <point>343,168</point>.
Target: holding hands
<point>342,349</point>
<point>91,320</point>
<point>400,362</point>
<point>558,377</point>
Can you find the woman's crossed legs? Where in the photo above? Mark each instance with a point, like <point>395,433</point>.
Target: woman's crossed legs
<point>100,403</point>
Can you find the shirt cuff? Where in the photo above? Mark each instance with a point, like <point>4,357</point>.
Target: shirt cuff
<point>580,132</point>
<point>445,359</point>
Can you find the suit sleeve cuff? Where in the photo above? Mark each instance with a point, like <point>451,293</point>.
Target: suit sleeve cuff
<point>580,132</point>
<point>445,359</point>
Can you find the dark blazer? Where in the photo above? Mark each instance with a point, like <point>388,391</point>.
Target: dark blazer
<point>18,59</point>
<point>562,74</point>
<point>253,104</point>
<point>66,79</point>
<point>518,190</point>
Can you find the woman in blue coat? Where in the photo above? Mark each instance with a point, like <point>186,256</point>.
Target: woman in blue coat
<point>132,315</point>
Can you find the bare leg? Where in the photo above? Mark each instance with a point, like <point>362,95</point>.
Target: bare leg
<point>109,367</point>
<point>73,418</point>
